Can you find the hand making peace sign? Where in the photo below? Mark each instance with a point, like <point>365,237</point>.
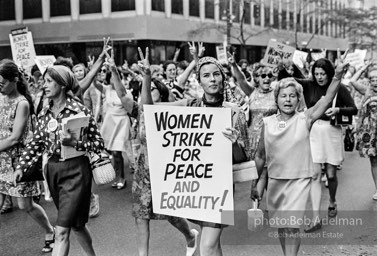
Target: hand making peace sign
<point>143,63</point>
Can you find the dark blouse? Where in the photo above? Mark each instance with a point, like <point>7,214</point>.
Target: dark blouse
<point>49,141</point>
<point>313,93</point>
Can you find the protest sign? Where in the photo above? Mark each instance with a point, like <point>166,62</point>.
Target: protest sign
<point>44,61</point>
<point>277,52</point>
<point>318,55</point>
<point>221,54</point>
<point>356,58</point>
<point>298,56</point>
<point>23,51</point>
<point>190,162</point>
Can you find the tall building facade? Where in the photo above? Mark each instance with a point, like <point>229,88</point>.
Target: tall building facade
<point>75,28</point>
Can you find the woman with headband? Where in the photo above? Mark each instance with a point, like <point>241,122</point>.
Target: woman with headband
<point>69,180</point>
<point>211,77</point>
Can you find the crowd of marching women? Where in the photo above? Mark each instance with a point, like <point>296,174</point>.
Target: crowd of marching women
<point>287,125</point>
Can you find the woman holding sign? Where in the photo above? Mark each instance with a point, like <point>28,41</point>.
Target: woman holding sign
<point>70,180</point>
<point>211,77</point>
<point>16,109</point>
<point>141,187</point>
<point>285,139</point>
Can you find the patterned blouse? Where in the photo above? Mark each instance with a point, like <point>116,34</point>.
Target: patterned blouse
<point>49,141</point>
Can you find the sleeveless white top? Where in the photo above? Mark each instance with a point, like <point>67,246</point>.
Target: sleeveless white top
<point>288,147</point>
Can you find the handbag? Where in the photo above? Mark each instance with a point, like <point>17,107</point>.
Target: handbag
<point>102,169</point>
<point>239,154</point>
<point>349,140</point>
<point>34,172</point>
<point>340,119</point>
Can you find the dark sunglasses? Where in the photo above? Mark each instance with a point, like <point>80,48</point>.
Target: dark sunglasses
<point>103,70</point>
<point>269,75</point>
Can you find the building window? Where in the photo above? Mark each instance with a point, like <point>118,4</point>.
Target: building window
<point>236,11</point>
<point>60,8</point>
<point>305,24</point>
<point>177,6</point>
<point>33,7</point>
<point>256,14</point>
<point>276,18</point>
<point>209,9</point>
<point>247,18</point>
<point>7,10</point>
<point>291,20</point>
<point>223,9</point>
<point>284,24</point>
<point>267,16</point>
<point>122,5</point>
<point>194,8</point>
<point>298,23</point>
<point>90,6</point>
<point>158,5</point>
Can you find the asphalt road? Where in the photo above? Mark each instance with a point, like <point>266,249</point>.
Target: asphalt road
<point>114,231</point>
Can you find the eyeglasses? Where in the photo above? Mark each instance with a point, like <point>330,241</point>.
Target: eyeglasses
<point>264,75</point>
<point>103,70</point>
<point>373,106</point>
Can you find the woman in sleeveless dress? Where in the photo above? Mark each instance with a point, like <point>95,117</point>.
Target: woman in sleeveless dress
<point>285,139</point>
<point>16,109</point>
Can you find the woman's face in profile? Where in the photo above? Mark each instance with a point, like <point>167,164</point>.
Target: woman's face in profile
<point>51,87</point>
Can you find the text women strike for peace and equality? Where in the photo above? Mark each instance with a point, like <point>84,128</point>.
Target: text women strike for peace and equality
<point>165,121</point>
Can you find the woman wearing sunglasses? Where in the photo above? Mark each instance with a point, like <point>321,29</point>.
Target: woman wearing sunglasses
<point>261,104</point>
<point>367,122</point>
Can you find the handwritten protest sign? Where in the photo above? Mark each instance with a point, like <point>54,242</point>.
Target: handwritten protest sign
<point>44,61</point>
<point>221,54</point>
<point>318,55</point>
<point>277,52</point>
<point>356,58</point>
<point>190,162</point>
<point>23,51</point>
<point>298,56</point>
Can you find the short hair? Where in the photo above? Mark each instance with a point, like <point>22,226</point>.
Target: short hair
<point>167,63</point>
<point>64,62</point>
<point>242,61</point>
<point>182,64</point>
<point>80,65</point>
<point>285,83</point>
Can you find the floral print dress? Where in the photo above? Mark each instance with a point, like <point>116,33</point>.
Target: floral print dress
<point>262,104</point>
<point>9,157</point>
<point>366,132</point>
<point>141,184</point>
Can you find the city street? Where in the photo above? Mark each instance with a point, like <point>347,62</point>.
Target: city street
<point>114,231</point>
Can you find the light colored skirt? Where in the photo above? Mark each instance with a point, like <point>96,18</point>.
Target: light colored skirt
<point>326,143</point>
<point>115,131</point>
<point>286,201</point>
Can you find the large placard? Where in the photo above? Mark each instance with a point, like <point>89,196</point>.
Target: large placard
<point>190,162</point>
<point>23,51</point>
